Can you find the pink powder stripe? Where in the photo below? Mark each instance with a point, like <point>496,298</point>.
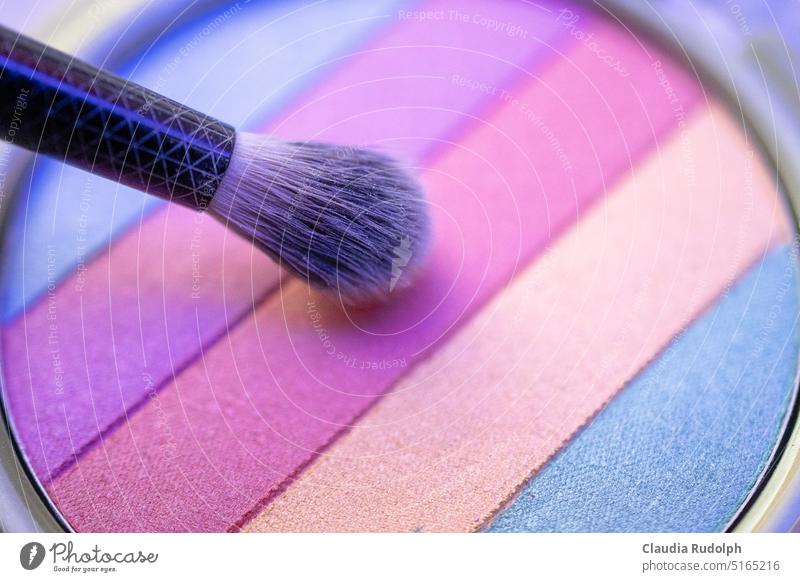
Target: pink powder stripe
<point>107,363</point>
<point>466,428</point>
<point>225,436</point>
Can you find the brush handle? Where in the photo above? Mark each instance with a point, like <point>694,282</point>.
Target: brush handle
<point>53,104</point>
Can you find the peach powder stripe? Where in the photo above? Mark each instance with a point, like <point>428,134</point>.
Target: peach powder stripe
<point>466,428</point>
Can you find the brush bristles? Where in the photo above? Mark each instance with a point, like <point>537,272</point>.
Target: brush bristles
<point>350,221</point>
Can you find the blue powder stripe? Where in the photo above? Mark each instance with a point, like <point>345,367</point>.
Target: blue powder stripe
<point>70,215</point>
<point>683,444</point>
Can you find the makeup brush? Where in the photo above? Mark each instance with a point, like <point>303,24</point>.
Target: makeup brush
<point>348,220</point>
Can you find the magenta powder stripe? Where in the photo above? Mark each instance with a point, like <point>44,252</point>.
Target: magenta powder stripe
<point>421,81</point>
<point>225,436</point>
<point>120,358</point>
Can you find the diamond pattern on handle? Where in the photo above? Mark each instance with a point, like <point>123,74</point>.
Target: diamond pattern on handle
<point>109,126</point>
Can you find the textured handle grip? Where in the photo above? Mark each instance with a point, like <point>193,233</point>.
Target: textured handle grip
<point>53,104</point>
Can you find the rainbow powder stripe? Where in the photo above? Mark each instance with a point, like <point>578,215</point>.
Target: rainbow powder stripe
<point>594,346</point>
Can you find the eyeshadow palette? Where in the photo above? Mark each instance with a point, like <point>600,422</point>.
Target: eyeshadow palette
<point>604,337</point>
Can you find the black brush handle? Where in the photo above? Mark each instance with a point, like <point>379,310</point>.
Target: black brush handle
<point>56,105</point>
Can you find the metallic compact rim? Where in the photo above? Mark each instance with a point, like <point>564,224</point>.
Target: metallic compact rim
<point>28,504</point>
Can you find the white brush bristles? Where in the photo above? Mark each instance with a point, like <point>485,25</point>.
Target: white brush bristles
<point>350,221</point>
